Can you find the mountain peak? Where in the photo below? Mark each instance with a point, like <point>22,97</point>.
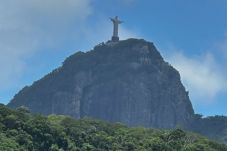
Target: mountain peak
<point>125,81</point>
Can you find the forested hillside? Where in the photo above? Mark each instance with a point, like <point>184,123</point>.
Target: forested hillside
<point>21,131</point>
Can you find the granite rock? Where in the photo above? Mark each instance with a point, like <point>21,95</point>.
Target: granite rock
<point>127,81</point>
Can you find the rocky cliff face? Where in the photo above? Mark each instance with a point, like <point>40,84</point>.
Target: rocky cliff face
<point>125,82</point>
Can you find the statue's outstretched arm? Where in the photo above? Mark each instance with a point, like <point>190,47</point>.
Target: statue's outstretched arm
<point>112,19</point>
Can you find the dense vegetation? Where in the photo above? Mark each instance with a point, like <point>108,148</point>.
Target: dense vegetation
<point>20,131</point>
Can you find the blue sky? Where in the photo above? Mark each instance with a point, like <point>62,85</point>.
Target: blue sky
<point>36,36</point>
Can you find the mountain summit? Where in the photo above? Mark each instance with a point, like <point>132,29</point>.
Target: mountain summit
<point>126,81</point>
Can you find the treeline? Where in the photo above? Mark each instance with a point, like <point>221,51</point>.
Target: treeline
<point>22,131</point>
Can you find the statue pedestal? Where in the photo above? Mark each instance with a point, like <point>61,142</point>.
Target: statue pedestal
<point>115,39</point>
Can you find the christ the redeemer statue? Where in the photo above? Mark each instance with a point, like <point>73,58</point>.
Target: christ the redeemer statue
<point>116,22</point>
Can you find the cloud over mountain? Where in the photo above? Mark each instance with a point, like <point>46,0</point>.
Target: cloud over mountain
<point>202,75</point>
<point>28,26</point>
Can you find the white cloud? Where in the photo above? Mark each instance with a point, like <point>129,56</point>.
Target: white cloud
<point>27,26</point>
<point>201,75</point>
